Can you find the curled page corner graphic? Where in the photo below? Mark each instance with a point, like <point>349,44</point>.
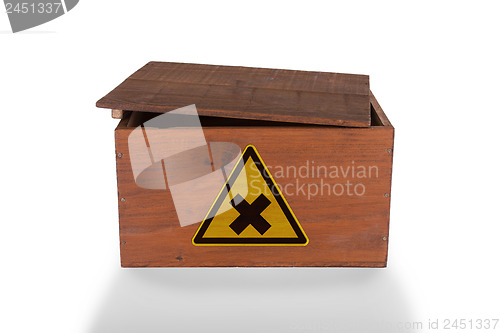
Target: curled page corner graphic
<point>170,152</point>
<point>26,14</point>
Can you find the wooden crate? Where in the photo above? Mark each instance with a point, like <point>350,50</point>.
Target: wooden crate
<point>293,119</point>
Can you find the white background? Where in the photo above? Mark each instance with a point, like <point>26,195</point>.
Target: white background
<point>434,67</point>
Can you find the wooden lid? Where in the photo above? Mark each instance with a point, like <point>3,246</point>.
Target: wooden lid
<point>246,93</point>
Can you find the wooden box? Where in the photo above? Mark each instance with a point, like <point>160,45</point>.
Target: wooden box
<point>321,139</point>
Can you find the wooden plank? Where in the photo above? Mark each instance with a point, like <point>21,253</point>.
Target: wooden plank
<point>246,93</point>
<point>116,114</point>
<point>380,113</point>
<point>342,230</point>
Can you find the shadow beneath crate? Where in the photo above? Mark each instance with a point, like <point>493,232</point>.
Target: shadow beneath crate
<point>252,300</point>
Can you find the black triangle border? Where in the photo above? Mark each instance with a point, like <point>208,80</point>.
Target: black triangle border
<point>301,238</point>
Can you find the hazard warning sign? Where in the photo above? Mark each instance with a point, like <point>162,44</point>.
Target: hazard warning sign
<point>250,210</point>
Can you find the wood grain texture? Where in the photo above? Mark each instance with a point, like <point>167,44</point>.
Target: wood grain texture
<point>342,230</point>
<point>116,114</point>
<point>246,93</point>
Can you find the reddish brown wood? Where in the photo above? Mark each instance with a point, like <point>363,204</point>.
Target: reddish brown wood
<point>342,230</point>
<point>246,93</point>
<point>378,110</point>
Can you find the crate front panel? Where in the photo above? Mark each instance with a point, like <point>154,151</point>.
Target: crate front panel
<point>343,230</point>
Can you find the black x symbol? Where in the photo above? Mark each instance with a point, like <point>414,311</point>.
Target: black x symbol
<point>250,214</point>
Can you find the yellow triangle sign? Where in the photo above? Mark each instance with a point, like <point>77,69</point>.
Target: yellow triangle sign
<point>250,210</point>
